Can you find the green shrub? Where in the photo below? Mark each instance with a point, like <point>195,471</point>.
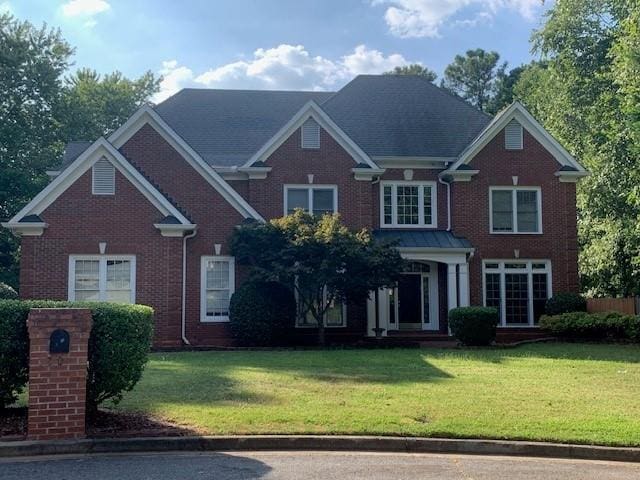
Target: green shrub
<point>474,325</point>
<point>118,347</point>
<point>7,292</point>
<point>565,303</point>
<point>261,313</point>
<point>593,326</point>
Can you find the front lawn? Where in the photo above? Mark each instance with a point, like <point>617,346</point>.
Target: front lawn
<point>553,392</point>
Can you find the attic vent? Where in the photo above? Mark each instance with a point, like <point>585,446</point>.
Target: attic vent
<point>104,178</point>
<point>310,134</point>
<point>513,136</point>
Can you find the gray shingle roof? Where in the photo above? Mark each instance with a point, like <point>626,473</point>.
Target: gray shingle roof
<point>226,127</point>
<point>72,150</point>
<point>422,238</point>
<point>404,115</point>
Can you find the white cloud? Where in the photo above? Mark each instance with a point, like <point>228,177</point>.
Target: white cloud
<point>285,67</point>
<point>425,18</point>
<point>84,8</point>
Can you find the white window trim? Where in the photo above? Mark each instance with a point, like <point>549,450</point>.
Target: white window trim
<point>306,325</point>
<point>204,318</point>
<point>394,206</point>
<point>102,274</point>
<point>310,188</point>
<point>529,270</point>
<point>514,208</point>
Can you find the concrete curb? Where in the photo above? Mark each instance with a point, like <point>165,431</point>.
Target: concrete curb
<point>319,443</point>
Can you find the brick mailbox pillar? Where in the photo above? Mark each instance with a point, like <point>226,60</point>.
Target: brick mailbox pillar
<point>59,340</point>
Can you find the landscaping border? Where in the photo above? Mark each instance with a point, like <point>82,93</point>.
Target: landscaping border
<point>319,443</point>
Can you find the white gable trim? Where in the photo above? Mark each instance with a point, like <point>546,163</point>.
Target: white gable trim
<point>148,115</point>
<point>517,111</point>
<point>311,110</point>
<point>99,149</point>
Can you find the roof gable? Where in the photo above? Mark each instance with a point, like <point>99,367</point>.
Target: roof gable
<point>100,149</point>
<point>314,111</point>
<point>517,111</point>
<point>146,115</point>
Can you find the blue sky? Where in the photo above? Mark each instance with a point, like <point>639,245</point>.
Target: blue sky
<point>284,44</point>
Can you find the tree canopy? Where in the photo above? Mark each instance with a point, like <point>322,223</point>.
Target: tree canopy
<point>414,69</point>
<point>319,257</point>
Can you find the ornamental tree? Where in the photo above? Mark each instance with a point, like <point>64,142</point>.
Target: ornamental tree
<point>319,257</point>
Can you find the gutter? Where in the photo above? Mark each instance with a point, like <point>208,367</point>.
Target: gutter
<point>448,184</point>
<point>184,287</point>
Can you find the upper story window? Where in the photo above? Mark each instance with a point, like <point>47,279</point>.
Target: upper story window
<point>217,285</point>
<point>515,209</point>
<point>102,278</point>
<point>513,135</point>
<point>103,178</point>
<point>310,134</point>
<point>408,204</point>
<point>314,199</point>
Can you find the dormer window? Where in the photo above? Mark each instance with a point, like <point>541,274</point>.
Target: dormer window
<point>104,178</point>
<point>513,135</point>
<point>310,134</point>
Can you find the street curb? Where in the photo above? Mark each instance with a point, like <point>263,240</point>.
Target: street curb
<point>319,443</point>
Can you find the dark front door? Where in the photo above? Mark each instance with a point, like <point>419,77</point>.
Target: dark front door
<point>410,302</point>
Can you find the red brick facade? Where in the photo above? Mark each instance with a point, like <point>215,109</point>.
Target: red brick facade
<point>57,381</point>
<point>78,221</point>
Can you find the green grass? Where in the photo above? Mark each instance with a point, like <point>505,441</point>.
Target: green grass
<point>553,392</point>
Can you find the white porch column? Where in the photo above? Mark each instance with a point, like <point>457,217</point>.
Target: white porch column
<point>452,287</point>
<point>463,271</point>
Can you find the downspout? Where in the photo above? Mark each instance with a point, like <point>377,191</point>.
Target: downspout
<point>184,287</point>
<point>448,184</point>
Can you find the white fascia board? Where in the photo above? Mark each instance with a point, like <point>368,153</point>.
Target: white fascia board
<point>313,110</point>
<point>517,111</point>
<point>570,177</point>
<point>174,230</point>
<point>26,229</point>
<point>100,148</point>
<point>414,162</point>
<point>145,115</point>
<point>367,174</point>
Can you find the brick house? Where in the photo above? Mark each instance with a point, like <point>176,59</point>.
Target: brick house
<point>484,208</point>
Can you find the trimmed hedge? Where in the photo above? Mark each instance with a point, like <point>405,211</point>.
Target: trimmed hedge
<point>474,325</point>
<point>119,345</point>
<point>261,313</point>
<point>593,326</point>
<point>566,302</point>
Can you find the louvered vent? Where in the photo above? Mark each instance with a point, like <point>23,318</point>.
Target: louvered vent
<point>310,134</point>
<point>513,136</point>
<point>104,178</point>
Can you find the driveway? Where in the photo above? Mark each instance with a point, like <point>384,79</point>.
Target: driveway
<point>309,465</point>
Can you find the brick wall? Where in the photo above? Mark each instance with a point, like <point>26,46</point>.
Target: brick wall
<point>79,221</point>
<point>57,381</point>
<point>534,166</point>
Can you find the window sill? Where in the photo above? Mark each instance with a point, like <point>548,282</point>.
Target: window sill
<point>515,233</point>
<point>408,226</point>
<point>214,320</point>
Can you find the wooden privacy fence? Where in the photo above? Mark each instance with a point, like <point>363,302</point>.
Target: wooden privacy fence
<point>628,306</point>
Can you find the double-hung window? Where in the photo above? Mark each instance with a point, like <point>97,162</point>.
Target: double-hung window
<point>316,199</point>
<point>519,289</point>
<point>103,278</point>
<point>335,316</point>
<point>408,204</point>
<point>515,209</point>
<point>217,285</point>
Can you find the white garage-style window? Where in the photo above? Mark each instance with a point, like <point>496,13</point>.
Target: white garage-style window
<point>315,199</point>
<point>103,278</point>
<point>217,286</point>
<point>515,210</point>
<point>519,289</point>
<point>408,204</point>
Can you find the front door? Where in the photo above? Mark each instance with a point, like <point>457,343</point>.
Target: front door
<point>410,302</point>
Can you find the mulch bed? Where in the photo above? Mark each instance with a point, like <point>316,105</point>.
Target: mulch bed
<point>13,425</point>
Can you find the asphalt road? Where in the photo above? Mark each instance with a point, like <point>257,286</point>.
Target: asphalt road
<point>309,466</point>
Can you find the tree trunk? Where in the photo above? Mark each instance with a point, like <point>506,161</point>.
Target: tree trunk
<point>321,334</point>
